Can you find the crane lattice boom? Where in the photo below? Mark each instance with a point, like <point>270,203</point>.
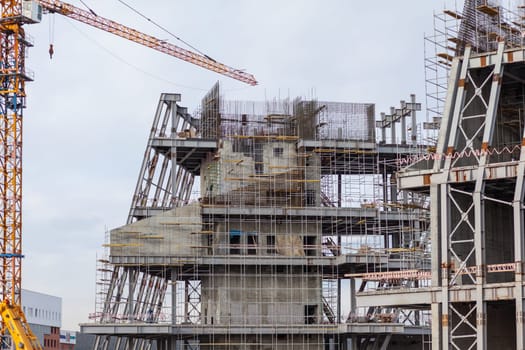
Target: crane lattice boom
<point>145,39</point>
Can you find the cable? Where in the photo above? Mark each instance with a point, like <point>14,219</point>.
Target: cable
<point>52,28</point>
<point>130,64</point>
<point>90,10</point>
<point>165,30</point>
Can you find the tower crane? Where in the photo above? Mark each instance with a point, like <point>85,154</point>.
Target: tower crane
<point>15,14</point>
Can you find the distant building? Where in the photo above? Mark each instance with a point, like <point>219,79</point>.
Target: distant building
<point>44,315</point>
<point>68,339</point>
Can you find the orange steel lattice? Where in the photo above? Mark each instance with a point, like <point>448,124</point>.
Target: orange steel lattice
<point>146,40</point>
<point>12,100</point>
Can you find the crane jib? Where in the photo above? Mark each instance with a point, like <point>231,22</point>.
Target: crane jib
<point>134,35</point>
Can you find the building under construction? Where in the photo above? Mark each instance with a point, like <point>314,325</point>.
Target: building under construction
<point>289,224</point>
<point>293,198</point>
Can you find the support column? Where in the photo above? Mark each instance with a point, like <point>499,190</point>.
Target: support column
<point>352,296</point>
<point>443,235</point>
<point>383,129</point>
<point>441,231</point>
<point>393,125</point>
<point>414,121</point>
<point>479,208</point>
<point>519,230</point>
<point>186,301</point>
<point>173,295</point>
<point>338,308</point>
<point>403,126</point>
<point>339,190</point>
<point>174,167</point>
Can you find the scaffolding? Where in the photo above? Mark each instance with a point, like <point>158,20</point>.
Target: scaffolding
<point>295,202</point>
<point>480,25</point>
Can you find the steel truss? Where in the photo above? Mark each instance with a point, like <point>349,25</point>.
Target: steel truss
<point>134,294</point>
<point>471,113</point>
<point>161,184</point>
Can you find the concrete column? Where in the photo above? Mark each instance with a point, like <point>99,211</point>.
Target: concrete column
<point>440,217</point>
<point>131,288</point>
<point>352,296</point>
<point>403,125</point>
<point>173,295</point>
<point>519,231</point>
<point>338,308</point>
<point>393,188</point>
<point>393,125</point>
<point>414,121</point>
<point>479,244</point>
<point>384,176</point>
<point>436,328</point>
<point>353,343</point>
<point>443,232</point>
<point>383,129</point>
<point>172,343</point>
<point>186,301</point>
<point>339,190</point>
<point>479,208</point>
<point>133,275</point>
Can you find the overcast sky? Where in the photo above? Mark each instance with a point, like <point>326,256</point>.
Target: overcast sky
<point>90,108</point>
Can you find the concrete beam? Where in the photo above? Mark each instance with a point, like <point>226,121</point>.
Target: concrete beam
<point>427,296</point>
<point>421,179</point>
<point>314,212</point>
<point>142,329</point>
<point>334,144</point>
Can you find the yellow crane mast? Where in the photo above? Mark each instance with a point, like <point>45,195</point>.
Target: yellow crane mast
<point>13,76</point>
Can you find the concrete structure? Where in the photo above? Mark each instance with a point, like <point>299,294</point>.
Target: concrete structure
<point>294,199</point>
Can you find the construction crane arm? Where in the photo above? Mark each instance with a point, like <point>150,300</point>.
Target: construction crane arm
<point>113,27</point>
<point>15,322</point>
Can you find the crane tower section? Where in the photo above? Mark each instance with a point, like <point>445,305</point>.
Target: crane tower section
<point>13,76</point>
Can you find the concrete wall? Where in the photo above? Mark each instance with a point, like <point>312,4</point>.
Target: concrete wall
<point>261,297</point>
<point>262,172</point>
<point>216,171</point>
<point>174,233</point>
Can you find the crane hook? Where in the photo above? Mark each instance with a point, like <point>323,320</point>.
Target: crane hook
<point>51,51</point>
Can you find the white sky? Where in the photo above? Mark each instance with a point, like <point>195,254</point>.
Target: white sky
<point>90,108</point>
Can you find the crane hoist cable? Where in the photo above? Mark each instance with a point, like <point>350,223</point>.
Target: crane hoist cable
<point>119,58</point>
<point>150,41</point>
<point>51,35</point>
<point>164,29</point>
<point>89,8</point>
